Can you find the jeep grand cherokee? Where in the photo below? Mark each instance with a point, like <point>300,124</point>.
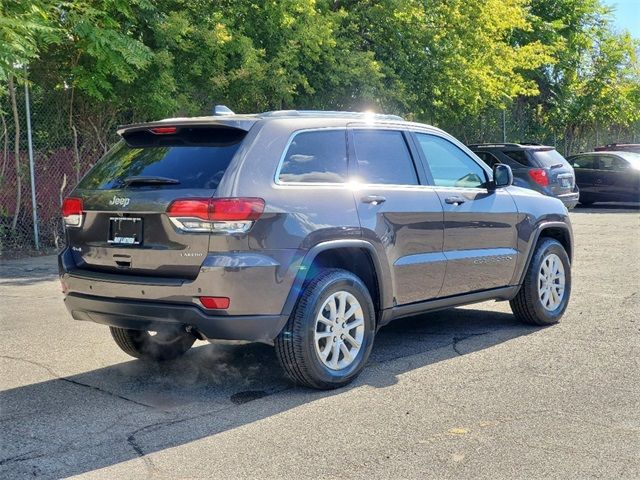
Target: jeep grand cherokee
<point>308,230</point>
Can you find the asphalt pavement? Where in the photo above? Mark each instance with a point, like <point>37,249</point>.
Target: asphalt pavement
<point>462,393</point>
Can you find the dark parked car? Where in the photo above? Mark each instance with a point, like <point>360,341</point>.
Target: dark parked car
<point>537,167</point>
<point>307,230</point>
<point>607,176</point>
<point>619,147</point>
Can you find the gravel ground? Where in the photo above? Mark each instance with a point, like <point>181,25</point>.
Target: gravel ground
<point>464,393</point>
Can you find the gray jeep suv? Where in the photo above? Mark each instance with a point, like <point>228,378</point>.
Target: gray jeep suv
<point>307,230</point>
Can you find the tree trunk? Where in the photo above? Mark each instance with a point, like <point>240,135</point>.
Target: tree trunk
<point>5,148</point>
<point>16,149</point>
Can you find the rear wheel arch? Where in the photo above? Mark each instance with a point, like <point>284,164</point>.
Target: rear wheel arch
<point>356,256</point>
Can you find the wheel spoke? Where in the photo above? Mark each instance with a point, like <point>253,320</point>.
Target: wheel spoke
<point>351,340</point>
<point>333,312</point>
<point>356,323</point>
<point>335,354</point>
<point>351,312</point>
<point>324,334</point>
<point>324,320</point>
<point>345,351</point>
<point>342,296</point>
<point>324,353</point>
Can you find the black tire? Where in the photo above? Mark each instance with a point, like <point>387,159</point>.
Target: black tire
<point>586,203</point>
<point>527,305</point>
<point>159,347</point>
<point>295,346</point>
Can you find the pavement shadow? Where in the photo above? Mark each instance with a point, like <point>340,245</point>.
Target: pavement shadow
<point>71,425</point>
<point>608,207</point>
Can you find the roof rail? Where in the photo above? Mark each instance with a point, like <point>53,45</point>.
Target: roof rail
<point>491,145</point>
<point>330,113</point>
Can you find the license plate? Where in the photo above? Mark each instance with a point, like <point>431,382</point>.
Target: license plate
<point>565,182</point>
<point>125,231</point>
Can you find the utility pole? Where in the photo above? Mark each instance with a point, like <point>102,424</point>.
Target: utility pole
<point>34,205</point>
<point>504,126</point>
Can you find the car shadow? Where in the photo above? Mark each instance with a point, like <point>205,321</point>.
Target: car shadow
<point>71,425</point>
<point>607,207</point>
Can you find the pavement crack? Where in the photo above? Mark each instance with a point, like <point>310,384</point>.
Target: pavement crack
<point>76,382</point>
<point>458,339</point>
<point>23,457</point>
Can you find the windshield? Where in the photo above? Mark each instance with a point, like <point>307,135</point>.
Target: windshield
<point>549,158</point>
<point>187,166</point>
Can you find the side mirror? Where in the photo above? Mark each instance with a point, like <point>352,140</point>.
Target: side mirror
<point>502,175</point>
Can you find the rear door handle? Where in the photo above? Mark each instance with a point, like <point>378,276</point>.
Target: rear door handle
<point>373,199</point>
<point>454,200</point>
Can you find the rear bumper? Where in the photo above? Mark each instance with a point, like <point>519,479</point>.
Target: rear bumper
<point>146,315</point>
<point>570,200</point>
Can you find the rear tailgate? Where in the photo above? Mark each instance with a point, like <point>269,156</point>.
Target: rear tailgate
<point>559,171</point>
<point>125,197</point>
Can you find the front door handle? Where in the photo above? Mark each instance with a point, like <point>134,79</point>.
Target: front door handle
<point>373,199</point>
<point>454,200</point>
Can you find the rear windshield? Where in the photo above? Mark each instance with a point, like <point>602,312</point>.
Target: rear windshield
<point>549,158</point>
<point>189,166</point>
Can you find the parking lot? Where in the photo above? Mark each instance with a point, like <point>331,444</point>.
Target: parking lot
<point>463,393</point>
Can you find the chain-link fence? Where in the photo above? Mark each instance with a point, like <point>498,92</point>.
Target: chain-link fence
<point>63,151</point>
<point>67,143</point>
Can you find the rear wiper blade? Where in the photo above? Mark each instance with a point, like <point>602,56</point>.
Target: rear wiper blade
<point>149,180</point>
<point>557,165</point>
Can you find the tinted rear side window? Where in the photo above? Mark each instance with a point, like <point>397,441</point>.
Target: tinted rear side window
<point>549,158</point>
<point>383,158</point>
<point>192,166</point>
<point>518,156</point>
<point>487,158</point>
<point>316,157</point>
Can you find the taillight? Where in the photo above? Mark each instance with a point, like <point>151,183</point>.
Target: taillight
<point>215,215</point>
<point>539,175</point>
<point>72,210</point>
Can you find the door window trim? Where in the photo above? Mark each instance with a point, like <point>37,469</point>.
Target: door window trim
<point>411,149</point>
<point>485,168</point>
<point>293,135</point>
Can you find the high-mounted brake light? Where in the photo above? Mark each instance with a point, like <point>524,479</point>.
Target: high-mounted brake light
<point>163,130</point>
<point>539,175</point>
<point>72,210</point>
<point>215,215</point>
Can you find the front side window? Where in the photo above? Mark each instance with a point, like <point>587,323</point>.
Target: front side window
<point>383,158</point>
<point>449,165</point>
<point>316,157</point>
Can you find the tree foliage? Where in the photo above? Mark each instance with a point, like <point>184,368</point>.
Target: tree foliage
<point>557,63</point>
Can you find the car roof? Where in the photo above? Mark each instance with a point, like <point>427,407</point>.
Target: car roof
<point>246,121</point>
<point>511,146</point>
<point>616,153</point>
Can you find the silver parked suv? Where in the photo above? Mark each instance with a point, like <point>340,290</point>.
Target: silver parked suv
<point>309,230</point>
